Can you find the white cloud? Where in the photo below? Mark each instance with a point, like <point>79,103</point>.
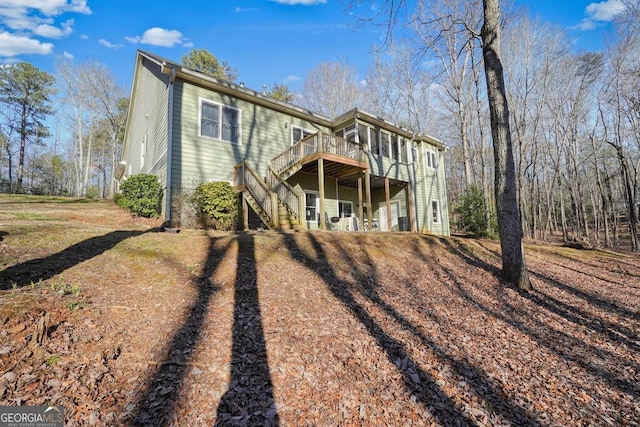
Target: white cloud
<point>597,13</point>
<point>107,43</point>
<point>43,7</point>
<point>586,25</point>
<point>26,19</point>
<point>53,32</point>
<point>67,55</point>
<point>292,78</point>
<point>157,36</point>
<point>604,11</point>
<point>160,37</point>
<point>303,2</point>
<point>12,45</point>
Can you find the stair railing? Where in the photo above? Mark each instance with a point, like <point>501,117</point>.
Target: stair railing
<point>286,193</point>
<point>247,178</point>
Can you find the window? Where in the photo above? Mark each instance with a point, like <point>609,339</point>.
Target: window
<point>363,135</point>
<point>311,202</point>
<point>298,133</point>
<point>345,209</point>
<point>431,159</point>
<point>403,151</point>
<point>395,154</point>
<point>220,122</point>
<point>435,211</point>
<point>350,133</point>
<point>385,144</point>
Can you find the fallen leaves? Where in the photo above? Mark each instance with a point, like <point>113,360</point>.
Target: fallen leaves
<point>346,329</point>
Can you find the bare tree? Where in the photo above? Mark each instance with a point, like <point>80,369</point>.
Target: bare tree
<point>399,88</point>
<point>332,88</point>
<point>91,92</point>
<point>514,268</point>
<point>621,122</point>
<point>443,29</point>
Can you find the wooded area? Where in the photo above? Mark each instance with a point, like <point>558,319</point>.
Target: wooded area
<point>574,116</point>
<point>60,135</point>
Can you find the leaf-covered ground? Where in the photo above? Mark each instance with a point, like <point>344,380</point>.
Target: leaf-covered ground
<point>125,325</point>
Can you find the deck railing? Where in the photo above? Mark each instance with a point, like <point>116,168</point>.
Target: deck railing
<point>318,142</point>
<point>249,178</point>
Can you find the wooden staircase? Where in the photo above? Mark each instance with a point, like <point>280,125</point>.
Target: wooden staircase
<point>277,204</point>
<point>287,221</point>
<point>275,201</point>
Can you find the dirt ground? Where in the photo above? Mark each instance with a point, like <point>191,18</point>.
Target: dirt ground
<point>123,324</point>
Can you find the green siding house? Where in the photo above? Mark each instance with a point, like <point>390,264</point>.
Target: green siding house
<point>294,168</point>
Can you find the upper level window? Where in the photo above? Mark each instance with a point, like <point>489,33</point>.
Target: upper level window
<point>385,144</point>
<point>363,135</point>
<point>298,133</point>
<point>431,159</point>
<point>220,122</point>
<point>403,151</point>
<point>395,153</point>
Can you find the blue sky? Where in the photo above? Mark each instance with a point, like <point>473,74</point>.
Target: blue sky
<point>267,41</point>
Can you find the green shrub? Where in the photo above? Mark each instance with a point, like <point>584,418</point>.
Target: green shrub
<point>118,199</point>
<point>141,195</point>
<point>217,205</point>
<point>471,214</point>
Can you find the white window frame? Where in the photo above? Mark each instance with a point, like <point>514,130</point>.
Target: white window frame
<point>350,132</point>
<point>385,140</point>
<point>304,130</point>
<point>316,207</point>
<point>345,202</point>
<point>435,211</point>
<point>431,158</point>
<point>220,107</point>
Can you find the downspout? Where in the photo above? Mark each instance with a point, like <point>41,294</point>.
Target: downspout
<point>167,213</point>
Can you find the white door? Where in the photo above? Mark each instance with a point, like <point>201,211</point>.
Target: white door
<point>382,213</point>
<point>311,208</point>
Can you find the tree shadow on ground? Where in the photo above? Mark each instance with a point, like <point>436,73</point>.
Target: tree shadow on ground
<point>594,360</point>
<point>32,271</point>
<point>249,400</point>
<point>417,381</point>
<point>156,404</point>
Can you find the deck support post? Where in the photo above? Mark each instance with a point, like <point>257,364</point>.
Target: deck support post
<point>245,213</point>
<point>367,188</point>
<point>411,208</point>
<point>387,196</point>
<point>360,207</point>
<point>323,224</point>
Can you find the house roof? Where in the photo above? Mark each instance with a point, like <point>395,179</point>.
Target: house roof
<point>255,97</point>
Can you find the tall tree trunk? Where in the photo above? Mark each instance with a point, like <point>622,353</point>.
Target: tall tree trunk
<point>23,144</point>
<point>514,268</point>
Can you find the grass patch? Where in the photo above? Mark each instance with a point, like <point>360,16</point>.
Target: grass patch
<point>52,360</point>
